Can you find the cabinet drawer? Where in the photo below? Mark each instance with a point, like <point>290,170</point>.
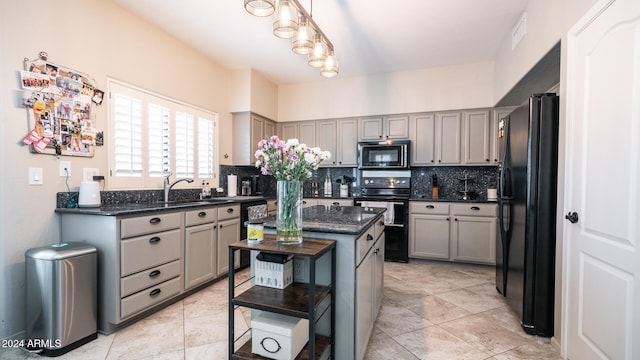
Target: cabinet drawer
<point>228,212</point>
<point>364,243</point>
<point>144,279</point>
<point>148,251</point>
<point>151,296</point>
<point>149,224</point>
<point>421,207</point>
<point>475,209</point>
<point>200,216</point>
<point>379,227</point>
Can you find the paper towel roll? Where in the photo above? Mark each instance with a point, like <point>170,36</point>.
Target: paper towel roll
<point>232,185</point>
<point>492,194</point>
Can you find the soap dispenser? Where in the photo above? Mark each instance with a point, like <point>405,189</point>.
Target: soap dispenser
<point>327,187</point>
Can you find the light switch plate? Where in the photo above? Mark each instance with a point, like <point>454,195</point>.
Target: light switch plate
<point>35,176</point>
<point>89,173</point>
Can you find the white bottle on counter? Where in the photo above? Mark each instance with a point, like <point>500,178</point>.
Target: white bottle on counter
<point>327,187</point>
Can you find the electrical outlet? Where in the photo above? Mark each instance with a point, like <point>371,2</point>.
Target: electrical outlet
<point>300,271</point>
<point>89,173</point>
<point>65,168</point>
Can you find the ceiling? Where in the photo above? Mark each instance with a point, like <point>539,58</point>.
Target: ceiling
<point>369,37</point>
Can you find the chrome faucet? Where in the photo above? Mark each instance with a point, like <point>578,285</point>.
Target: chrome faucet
<point>168,186</point>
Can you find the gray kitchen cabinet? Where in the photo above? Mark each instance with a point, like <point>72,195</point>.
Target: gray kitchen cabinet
<point>429,230</point>
<point>326,140</point>
<point>448,135</point>
<point>423,134</point>
<point>464,232</point>
<point>288,130</point>
<point>306,202</point>
<point>201,246</point>
<point>476,144</point>
<point>228,232</point>
<point>474,233</point>
<point>496,116</point>
<point>140,260</point>
<point>335,202</point>
<point>347,141</point>
<point>248,130</point>
<point>272,207</point>
<point>307,133</point>
<point>388,127</point>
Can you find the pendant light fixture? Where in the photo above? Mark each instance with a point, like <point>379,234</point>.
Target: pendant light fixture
<point>303,41</point>
<point>260,7</point>
<point>285,24</point>
<point>319,54</point>
<point>292,21</point>
<point>330,66</point>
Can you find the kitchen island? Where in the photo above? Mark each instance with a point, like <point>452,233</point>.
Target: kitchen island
<point>359,236</point>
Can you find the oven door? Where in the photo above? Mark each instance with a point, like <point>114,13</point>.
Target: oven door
<point>396,245</point>
<point>383,155</point>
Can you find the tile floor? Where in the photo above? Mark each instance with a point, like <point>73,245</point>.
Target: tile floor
<point>431,310</point>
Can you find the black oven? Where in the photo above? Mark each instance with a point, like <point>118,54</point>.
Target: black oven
<point>385,155</point>
<point>391,190</point>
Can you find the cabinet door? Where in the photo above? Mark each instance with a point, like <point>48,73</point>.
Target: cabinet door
<point>429,236</point>
<point>423,139</point>
<point>448,138</point>
<point>474,239</point>
<point>371,128</point>
<point>257,134</point>
<point>289,131</point>
<point>269,129</point>
<point>378,276</point>
<point>307,133</point>
<point>364,300</point>
<point>200,254</point>
<point>496,115</point>
<point>476,137</point>
<point>326,140</point>
<point>228,232</point>
<point>396,127</point>
<point>347,145</point>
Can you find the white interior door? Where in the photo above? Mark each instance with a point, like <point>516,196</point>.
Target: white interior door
<point>602,267</point>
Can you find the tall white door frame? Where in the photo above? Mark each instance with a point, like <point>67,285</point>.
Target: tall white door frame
<point>601,265</point>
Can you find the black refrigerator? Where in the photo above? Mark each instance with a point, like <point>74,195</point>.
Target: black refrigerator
<point>527,197</point>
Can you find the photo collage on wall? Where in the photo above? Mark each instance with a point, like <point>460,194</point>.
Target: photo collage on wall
<point>61,103</point>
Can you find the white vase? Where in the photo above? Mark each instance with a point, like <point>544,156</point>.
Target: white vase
<point>344,190</point>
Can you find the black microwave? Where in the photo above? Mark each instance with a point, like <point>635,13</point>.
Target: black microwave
<point>383,154</point>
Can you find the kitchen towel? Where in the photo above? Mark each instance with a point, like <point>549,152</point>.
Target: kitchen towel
<point>388,215</point>
<point>232,185</point>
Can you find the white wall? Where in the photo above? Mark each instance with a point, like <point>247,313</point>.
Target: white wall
<point>102,40</point>
<point>443,88</point>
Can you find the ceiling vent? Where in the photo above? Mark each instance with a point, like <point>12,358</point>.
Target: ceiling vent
<point>519,31</point>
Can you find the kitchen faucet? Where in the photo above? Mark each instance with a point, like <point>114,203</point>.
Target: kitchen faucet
<point>168,186</point>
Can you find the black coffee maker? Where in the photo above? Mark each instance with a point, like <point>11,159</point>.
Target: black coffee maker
<point>255,185</point>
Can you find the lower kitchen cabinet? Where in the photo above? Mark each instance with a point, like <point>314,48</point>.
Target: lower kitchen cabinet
<point>200,250</point>
<point>453,231</point>
<point>228,232</point>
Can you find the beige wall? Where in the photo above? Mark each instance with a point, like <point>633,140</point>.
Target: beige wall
<point>100,39</point>
<point>443,88</point>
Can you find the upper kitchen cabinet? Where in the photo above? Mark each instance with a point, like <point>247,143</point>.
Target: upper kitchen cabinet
<point>496,115</point>
<point>248,130</point>
<point>477,134</point>
<point>307,133</point>
<point>339,137</point>
<point>288,130</point>
<point>435,138</point>
<point>384,127</point>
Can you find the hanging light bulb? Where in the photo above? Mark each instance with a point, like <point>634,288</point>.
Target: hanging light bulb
<point>303,41</point>
<point>260,7</point>
<point>285,25</point>
<point>330,67</point>
<point>319,53</point>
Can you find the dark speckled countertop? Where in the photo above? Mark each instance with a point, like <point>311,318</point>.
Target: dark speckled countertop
<point>351,220</point>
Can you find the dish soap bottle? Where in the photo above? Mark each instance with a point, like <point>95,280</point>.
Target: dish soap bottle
<point>327,187</point>
<point>434,187</point>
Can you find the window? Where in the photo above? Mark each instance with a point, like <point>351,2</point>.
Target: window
<point>154,136</point>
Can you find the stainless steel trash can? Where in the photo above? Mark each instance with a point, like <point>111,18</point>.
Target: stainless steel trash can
<point>62,302</point>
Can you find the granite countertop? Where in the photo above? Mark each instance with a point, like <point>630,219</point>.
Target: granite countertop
<point>334,219</point>
<point>140,208</point>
